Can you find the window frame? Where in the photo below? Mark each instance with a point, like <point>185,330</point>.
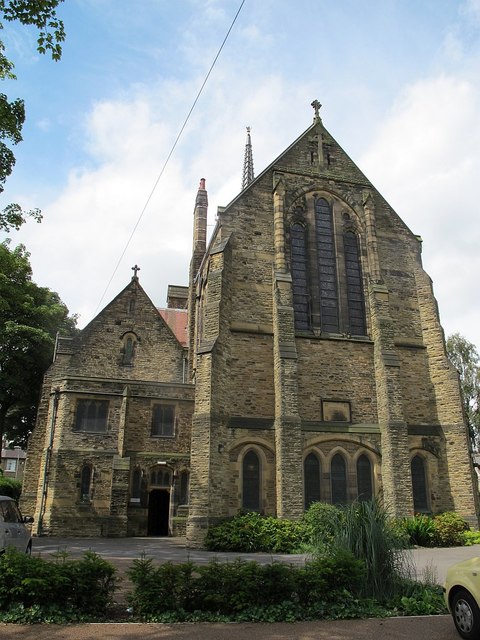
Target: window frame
<point>86,420</point>
<point>157,426</point>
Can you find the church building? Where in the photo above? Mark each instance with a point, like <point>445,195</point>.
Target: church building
<point>304,361</point>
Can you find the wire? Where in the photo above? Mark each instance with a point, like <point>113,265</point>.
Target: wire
<point>168,158</point>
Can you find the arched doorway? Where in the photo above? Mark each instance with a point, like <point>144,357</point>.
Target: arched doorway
<point>158,512</point>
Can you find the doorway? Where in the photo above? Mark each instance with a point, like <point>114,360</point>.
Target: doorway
<point>158,512</point>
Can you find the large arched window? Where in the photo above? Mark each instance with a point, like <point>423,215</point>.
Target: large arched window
<point>355,300</point>
<point>251,482</point>
<point>311,474</point>
<point>338,479</point>
<point>364,478</point>
<point>419,485</point>
<point>327,269</point>
<point>300,276</point>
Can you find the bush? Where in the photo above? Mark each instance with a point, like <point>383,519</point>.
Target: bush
<point>420,530</point>
<point>85,586</point>
<point>322,522</point>
<point>251,532</point>
<point>10,487</point>
<point>449,529</point>
<point>243,590</point>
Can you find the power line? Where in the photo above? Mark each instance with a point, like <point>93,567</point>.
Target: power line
<point>168,158</point>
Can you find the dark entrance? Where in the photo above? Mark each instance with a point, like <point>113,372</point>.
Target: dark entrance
<point>158,509</point>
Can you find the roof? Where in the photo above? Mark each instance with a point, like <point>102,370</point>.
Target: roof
<point>177,321</point>
<point>13,453</point>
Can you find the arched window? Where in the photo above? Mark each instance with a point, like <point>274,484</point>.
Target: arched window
<point>419,485</point>
<point>311,474</point>
<point>364,478</point>
<point>129,346</point>
<point>136,484</point>
<point>327,269</point>
<point>338,479</point>
<point>251,482</point>
<point>183,488</point>
<point>356,304</point>
<point>300,276</point>
<point>160,478</point>
<point>86,483</point>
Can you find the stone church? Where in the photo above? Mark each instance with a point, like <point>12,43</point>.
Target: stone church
<point>304,361</point>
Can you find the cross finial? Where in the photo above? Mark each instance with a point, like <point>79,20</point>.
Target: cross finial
<point>135,270</point>
<point>317,106</point>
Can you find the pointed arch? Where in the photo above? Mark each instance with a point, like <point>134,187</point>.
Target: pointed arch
<point>298,248</point>
<point>86,477</point>
<point>311,479</point>
<point>251,481</point>
<point>419,484</point>
<point>338,479</point>
<point>364,478</point>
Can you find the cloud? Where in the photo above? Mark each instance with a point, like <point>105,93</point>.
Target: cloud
<point>424,159</point>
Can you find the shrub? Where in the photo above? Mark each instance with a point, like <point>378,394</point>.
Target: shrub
<point>420,530</point>
<point>10,487</point>
<point>251,532</point>
<point>322,522</point>
<point>85,586</point>
<point>449,529</point>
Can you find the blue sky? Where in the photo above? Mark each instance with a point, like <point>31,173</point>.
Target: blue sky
<point>399,81</point>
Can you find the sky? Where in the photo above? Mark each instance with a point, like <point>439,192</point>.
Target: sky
<point>399,81</point>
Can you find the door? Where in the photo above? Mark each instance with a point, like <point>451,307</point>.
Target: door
<point>158,512</point>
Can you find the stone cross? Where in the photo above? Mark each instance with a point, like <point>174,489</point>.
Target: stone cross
<point>316,105</point>
<point>135,269</point>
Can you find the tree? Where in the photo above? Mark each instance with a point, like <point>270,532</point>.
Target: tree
<point>464,356</point>
<point>42,15</point>
<point>30,317</point>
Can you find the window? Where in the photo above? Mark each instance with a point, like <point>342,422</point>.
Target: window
<point>10,465</point>
<point>327,271</point>
<point>419,485</point>
<point>311,473</point>
<point>300,276</point>
<point>163,420</point>
<point>136,485</point>
<point>364,478</point>
<point>355,302</point>
<point>10,512</point>
<point>129,348</point>
<point>183,488</point>
<point>327,281</point>
<point>251,482</point>
<point>86,483</point>
<point>338,479</point>
<point>91,416</point>
<point>160,477</point>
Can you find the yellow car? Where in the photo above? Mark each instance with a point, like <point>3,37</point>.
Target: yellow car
<point>462,597</point>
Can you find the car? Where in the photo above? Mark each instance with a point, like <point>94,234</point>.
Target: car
<point>13,532</point>
<point>462,597</point>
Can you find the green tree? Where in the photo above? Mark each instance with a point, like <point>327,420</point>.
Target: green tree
<point>42,15</point>
<point>464,356</point>
<point>30,317</point>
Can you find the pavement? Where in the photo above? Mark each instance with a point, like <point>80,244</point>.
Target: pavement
<point>428,564</point>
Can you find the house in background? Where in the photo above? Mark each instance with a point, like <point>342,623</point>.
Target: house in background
<point>12,462</point>
<point>304,362</point>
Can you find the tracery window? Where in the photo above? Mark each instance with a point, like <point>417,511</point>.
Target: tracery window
<point>251,482</point>
<point>327,272</point>
<point>311,474</point>
<point>419,484</point>
<point>160,477</point>
<point>338,479</point>
<point>364,478</point>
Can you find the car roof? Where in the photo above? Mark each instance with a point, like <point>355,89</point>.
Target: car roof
<point>6,498</point>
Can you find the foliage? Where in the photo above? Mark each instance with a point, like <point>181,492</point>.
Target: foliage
<point>10,487</point>
<point>251,532</point>
<point>417,599</point>
<point>443,530</point>
<point>420,530</point>
<point>465,358</point>
<point>42,15</point>
<point>30,317</point>
<point>368,533</point>
<point>470,538</point>
<point>322,522</point>
<point>232,589</point>
<point>449,529</point>
<point>31,587</point>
